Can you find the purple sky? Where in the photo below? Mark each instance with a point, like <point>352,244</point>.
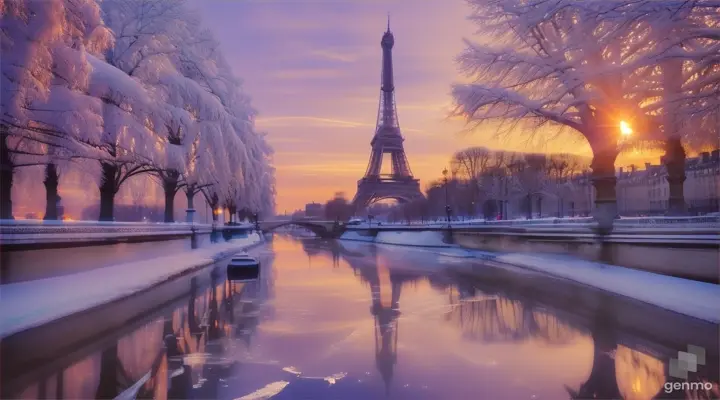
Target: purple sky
<point>313,70</point>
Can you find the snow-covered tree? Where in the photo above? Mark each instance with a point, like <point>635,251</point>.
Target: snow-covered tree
<point>531,180</point>
<point>216,150</point>
<point>561,169</point>
<point>590,64</point>
<point>127,139</point>
<point>44,77</point>
<point>678,71</point>
<point>155,97</point>
<point>145,38</point>
<point>545,67</point>
<point>224,148</point>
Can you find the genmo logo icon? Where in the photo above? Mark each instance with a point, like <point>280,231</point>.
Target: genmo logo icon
<point>687,361</point>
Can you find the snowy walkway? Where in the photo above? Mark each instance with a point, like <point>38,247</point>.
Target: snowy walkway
<point>693,298</point>
<point>29,304</point>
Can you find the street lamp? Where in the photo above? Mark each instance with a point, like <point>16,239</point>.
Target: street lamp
<point>257,222</point>
<point>447,205</point>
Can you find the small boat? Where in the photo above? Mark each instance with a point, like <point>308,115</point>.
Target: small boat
<point>242,266</point>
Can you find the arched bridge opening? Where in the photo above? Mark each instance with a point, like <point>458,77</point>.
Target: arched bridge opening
<point>323,229</point>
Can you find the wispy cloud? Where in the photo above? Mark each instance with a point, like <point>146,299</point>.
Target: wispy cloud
<point>313,121</point>
<point>335,55</point>
<point>365,100</point>
<point>440,107</point>
<point>309,73</point>
<point>319,169</point>
<point>333,155</point>
<point>276,139</point>
<point>287,121</point>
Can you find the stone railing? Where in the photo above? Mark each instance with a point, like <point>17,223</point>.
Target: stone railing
<point>28,232</point>
<point>585,222</point>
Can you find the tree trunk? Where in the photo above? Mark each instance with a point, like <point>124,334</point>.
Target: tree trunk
<point>674,160</point>
<point>51,192</point>
<point>213,203</point>
<point>604,181</point>
<point>108,385</point>
<point>232,210</point>
<point>190,197</point>
<point>169,203</point>
<point>540,206</point>
<point>561,212</point>
<point>108,188</point>
<point>170,187</point>
<point>529,206</point>
<point>6,179</point>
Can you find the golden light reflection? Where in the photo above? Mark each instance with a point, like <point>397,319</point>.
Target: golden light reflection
<point>625,129</point>
<point>81,379</point>
<point>137,351</point>
<point>639,376</point>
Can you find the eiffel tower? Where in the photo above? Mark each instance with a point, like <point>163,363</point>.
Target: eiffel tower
<point>399,184</point>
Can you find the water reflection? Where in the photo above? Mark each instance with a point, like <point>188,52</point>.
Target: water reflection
<point>181,353</point>
<point>494,313</point>
<point>334,331</point>
<point>601,384</point>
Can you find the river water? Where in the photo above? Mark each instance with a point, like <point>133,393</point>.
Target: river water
<point>346,320</point>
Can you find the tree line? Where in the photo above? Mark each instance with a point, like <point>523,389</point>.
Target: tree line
<point>489,184</point>
<point>123,88</point>
<point>494,184</point>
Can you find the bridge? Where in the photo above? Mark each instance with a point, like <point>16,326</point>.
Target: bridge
<point>323,229</point>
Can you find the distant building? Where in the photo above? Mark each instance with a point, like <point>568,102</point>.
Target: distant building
<point>314,210</point>
<point>646,192</point>
<point>702,186</point>
<point>639,191</point>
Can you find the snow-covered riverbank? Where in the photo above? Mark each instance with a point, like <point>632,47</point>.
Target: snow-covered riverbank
<point>697,299</point>
<point>32,303</point>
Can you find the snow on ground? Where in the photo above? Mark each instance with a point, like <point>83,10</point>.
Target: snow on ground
<point>32,303</point>
<point>405,238</point>
<point>697,299</point>
<point>422,238</point>
<point>356,236</point>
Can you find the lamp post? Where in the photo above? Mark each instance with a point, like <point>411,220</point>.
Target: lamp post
<point>447,205</point>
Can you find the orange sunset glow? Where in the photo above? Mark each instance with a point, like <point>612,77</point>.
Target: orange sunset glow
<point>314,75</point>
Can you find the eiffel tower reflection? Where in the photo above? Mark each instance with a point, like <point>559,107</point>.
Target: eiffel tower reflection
<point>385,290</point>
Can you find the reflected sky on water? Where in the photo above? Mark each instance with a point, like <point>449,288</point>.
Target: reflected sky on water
<point>344,320</point>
